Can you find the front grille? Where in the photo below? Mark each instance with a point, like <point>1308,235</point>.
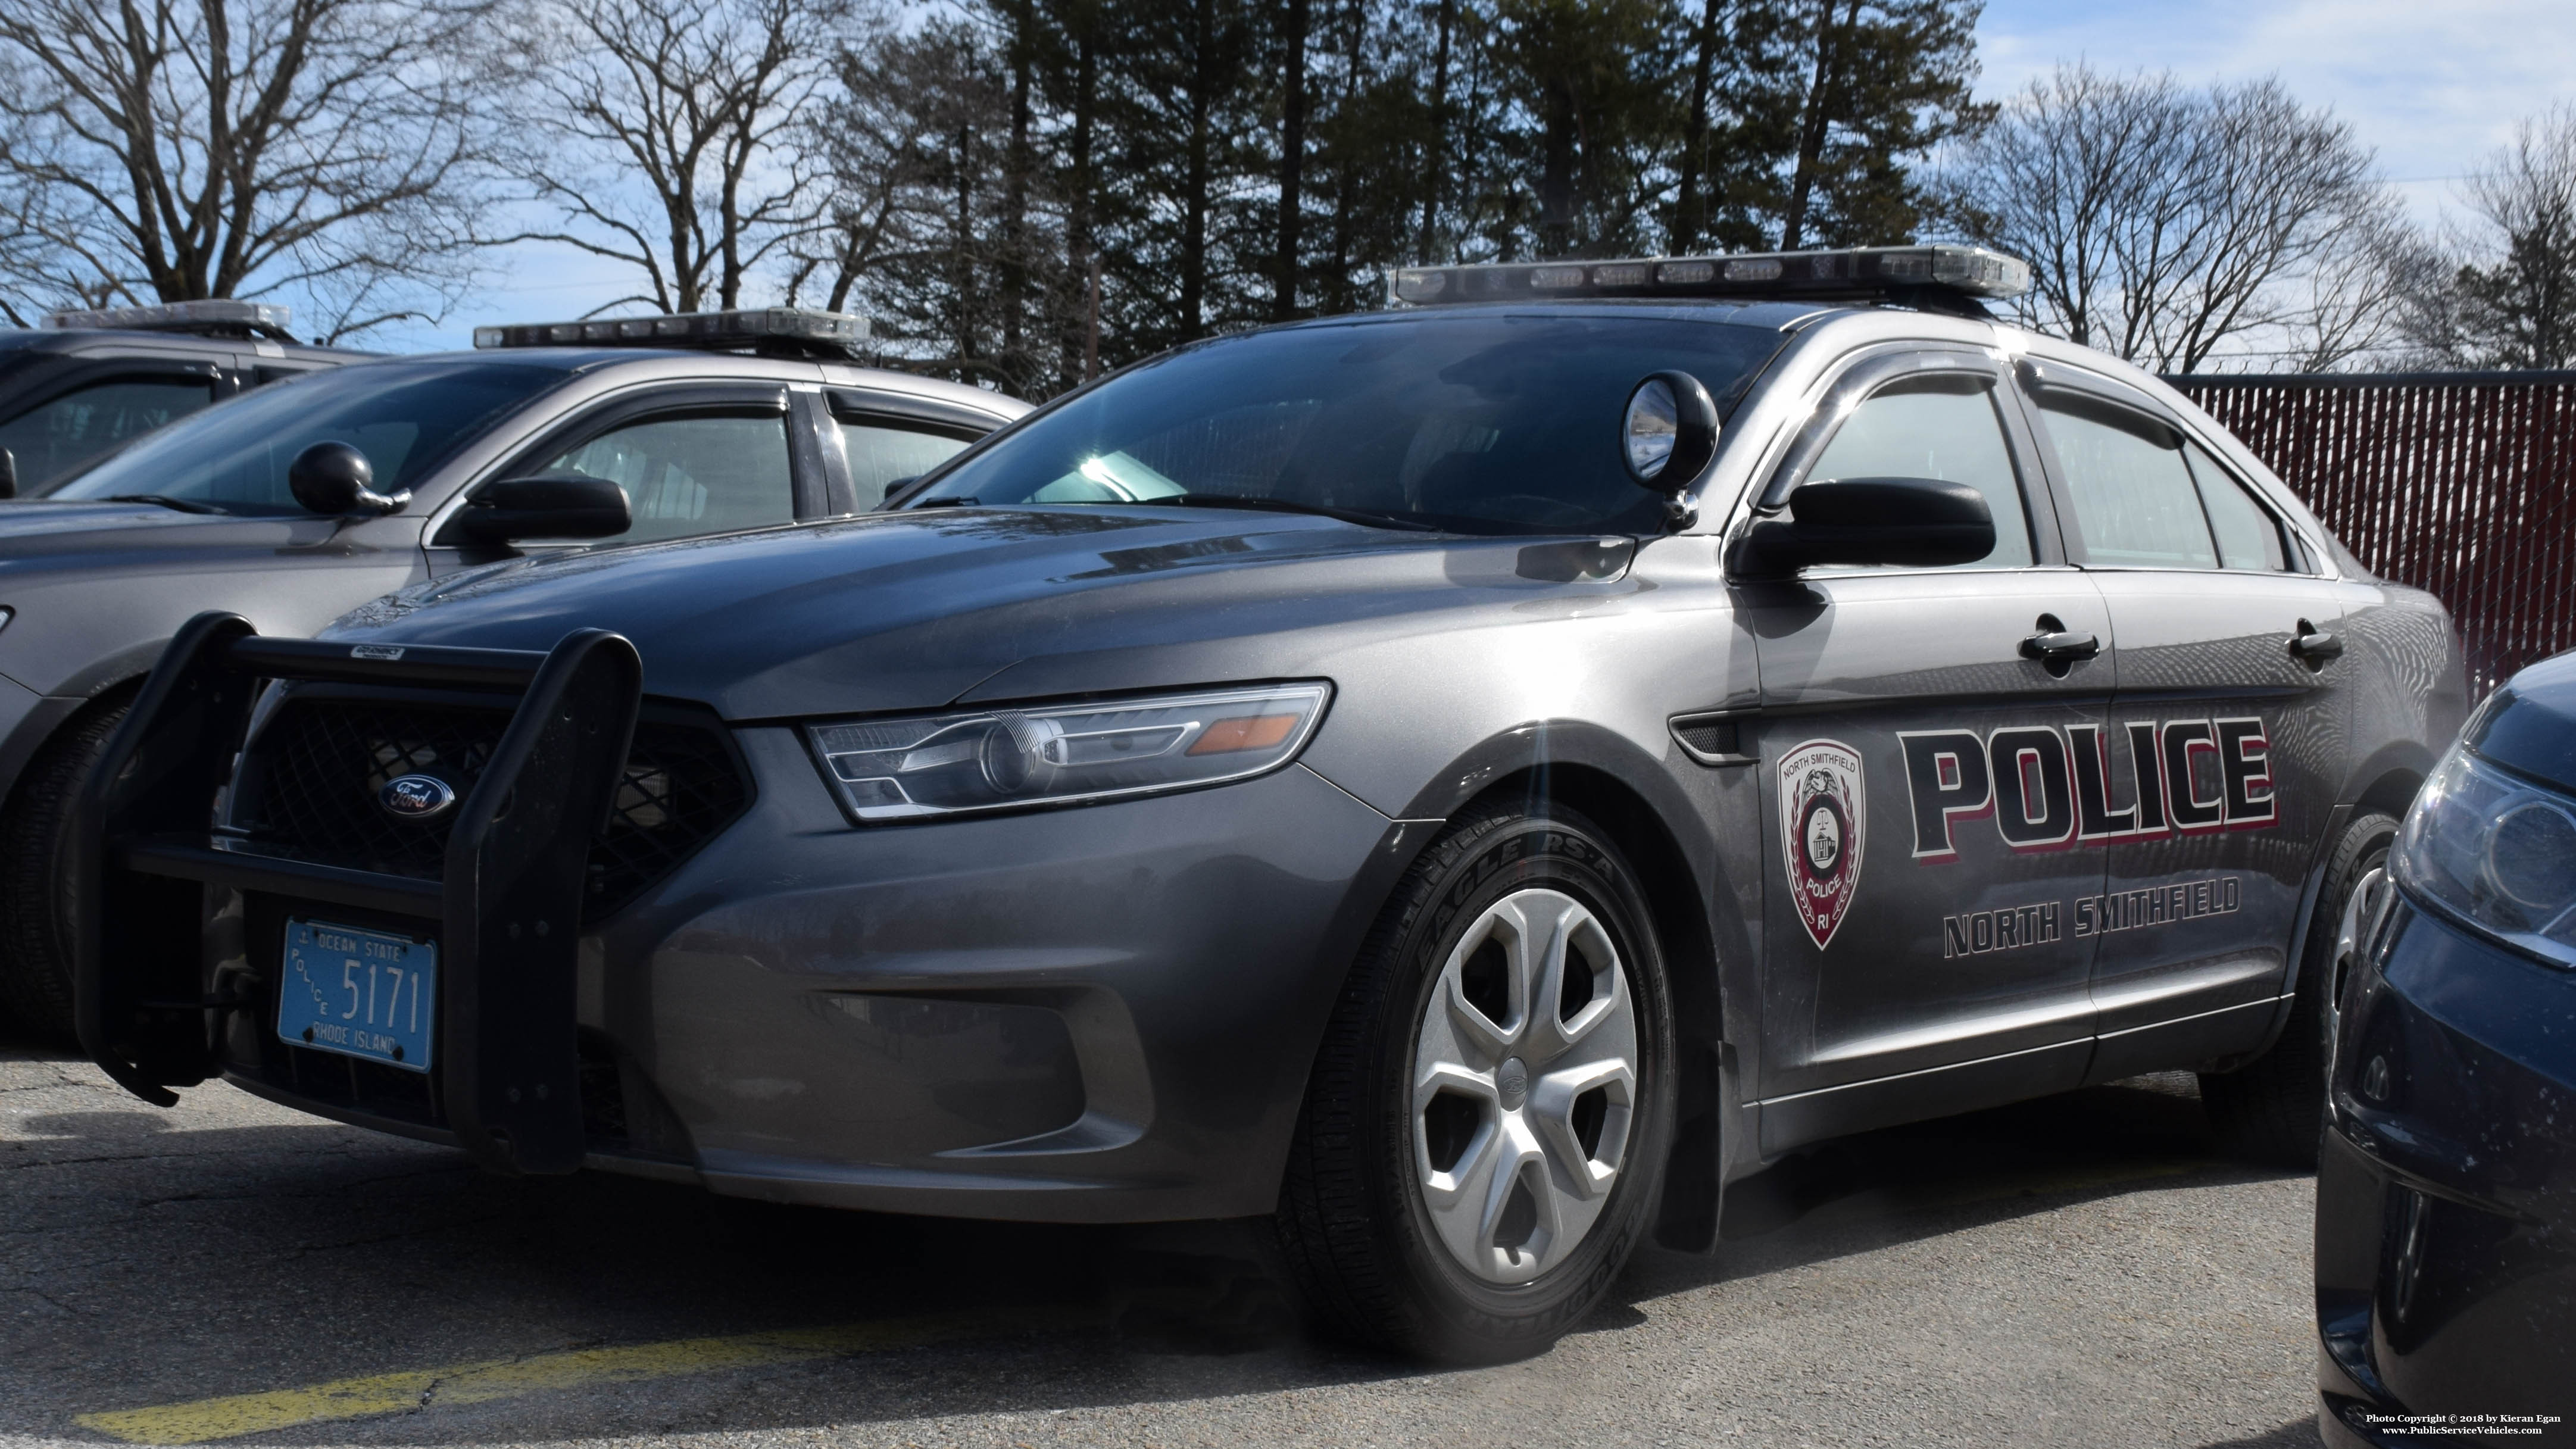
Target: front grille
<point>310,782</point>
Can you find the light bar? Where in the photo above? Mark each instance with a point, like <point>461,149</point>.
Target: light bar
<point>1868,273</point>
<point>222,312</point>
<point>747,327</point>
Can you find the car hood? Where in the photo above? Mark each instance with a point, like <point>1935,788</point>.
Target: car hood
<point>918,609</point>
<point>31,526</point>
<point>2530,724</point>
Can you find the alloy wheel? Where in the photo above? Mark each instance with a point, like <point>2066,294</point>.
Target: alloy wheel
<point>1525,1074</point>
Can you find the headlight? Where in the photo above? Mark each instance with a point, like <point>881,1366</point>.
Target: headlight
<point>997,759</point>
<point>2497,853</point>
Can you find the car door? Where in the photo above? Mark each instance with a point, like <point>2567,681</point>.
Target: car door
<point>694,459</point>
<point>2227,725</point>
<point>1920,760</point>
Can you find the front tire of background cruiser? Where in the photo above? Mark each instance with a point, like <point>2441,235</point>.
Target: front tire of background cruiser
<point>1488,1117</point>
<point>2272,1110</point>
<point>35,899</point>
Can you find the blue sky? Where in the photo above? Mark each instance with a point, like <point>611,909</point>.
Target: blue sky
<point>2432,85</point>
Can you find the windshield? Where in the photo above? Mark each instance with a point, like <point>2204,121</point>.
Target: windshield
<point>1471,422</point>
<point>405,416</point>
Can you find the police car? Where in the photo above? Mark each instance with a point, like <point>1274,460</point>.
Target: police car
<point>1468,780</point>
<point>309,496</point>
<point>91,381</point>
<point>2446,1198</point>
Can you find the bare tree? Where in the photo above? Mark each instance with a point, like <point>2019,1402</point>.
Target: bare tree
<point>2167,225</point>
<point>670,144</point>
<point>332,150</point>
<point>2501,292</point>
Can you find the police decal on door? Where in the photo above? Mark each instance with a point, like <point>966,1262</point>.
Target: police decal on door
<point>2048,789</point>
<point>1821,819</point>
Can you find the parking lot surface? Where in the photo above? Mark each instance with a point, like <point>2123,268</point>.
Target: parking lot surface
<point>2075,1271</point>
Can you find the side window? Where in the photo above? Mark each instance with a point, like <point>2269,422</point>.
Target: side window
<point>1944,426</point>
<point>2249,537</point>
<point>2133,494</point>
<point>882,455</point>
<point>62,435</point>
<point>702,473</point>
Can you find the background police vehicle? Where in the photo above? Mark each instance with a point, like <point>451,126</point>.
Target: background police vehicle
<point>1470,780</point>
<point>2446,1197</point>
<point>299,501</point>
<point>92,381</point>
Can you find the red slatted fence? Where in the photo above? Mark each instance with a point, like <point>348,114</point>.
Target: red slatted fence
<point>2460,483</point>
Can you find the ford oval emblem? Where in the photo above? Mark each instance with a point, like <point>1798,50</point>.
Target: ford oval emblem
<point>416,797</point>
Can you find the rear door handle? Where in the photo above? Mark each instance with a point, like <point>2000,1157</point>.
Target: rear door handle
<point>2060,646</point>
<point>2316,646</point>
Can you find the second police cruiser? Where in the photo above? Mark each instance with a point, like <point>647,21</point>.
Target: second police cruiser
<point>299,501</point>
<point>1469,780</point>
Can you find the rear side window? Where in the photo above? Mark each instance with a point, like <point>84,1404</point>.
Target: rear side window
<point>59,437</point>
<point>1941,426</point>
<point>2133,494</point>
<point>882,456</point>
<point>2249,537</point>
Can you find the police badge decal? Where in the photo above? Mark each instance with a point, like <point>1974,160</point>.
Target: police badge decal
<point>1820,825</point>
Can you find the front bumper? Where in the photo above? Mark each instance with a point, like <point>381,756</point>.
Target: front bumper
<point>2446,1192</point>
<point>1096,1014</point>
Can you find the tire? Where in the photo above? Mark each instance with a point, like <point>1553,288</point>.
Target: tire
<point>1479,1215</point>
<point>35,919</point>
<point>2272,1110</point>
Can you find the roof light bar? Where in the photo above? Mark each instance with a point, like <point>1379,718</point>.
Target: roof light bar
<point>222,314</point>
<point>1863,273</point>
<point>796,328</point>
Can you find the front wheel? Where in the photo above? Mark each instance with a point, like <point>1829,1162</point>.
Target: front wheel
<point>1488,1116</point>
<point>2273,1109</point>
<point>36,873</point>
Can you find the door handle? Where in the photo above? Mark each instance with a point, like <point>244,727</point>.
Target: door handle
<point>2060,646</point>
<point>2316,646</point>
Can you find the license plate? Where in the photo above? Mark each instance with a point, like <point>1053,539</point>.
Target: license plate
<point>372,995</point>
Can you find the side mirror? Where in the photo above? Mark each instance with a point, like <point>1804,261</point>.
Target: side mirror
<point>1923,522</point>
<point>8,474</point>
<point>1669,432</point>
<point>336,481</point>
<point>548,505</point>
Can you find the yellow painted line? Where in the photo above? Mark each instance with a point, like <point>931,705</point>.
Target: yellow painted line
<point>203,1420</point>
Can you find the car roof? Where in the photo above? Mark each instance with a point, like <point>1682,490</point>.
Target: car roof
<point>1767,315</point>
<point>646,363</point>
<point>98,341</point>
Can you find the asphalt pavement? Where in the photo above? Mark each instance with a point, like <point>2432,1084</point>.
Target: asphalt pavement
<point>2076,1271</point>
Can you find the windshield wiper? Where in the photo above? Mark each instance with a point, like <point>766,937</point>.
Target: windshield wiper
<point>1282,505</point>
<point>182,505</point>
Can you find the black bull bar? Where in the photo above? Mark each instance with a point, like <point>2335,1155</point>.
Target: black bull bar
<point>507,904</point>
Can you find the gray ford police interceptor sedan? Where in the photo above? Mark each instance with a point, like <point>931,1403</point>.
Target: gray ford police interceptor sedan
<point>1470,780</point>
<point>295,503</point>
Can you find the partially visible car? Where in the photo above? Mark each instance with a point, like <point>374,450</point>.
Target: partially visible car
<point>89,382</point>
<point>299,502</point>
<point>2446,1188</point>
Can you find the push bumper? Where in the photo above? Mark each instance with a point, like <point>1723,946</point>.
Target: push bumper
<point>2446,1194</point>
<point>176,918</point>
